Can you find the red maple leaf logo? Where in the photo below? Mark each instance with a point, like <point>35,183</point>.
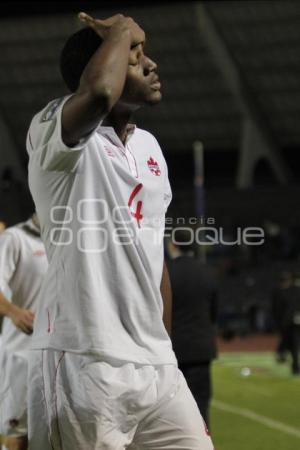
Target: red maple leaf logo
<point>153,166</point>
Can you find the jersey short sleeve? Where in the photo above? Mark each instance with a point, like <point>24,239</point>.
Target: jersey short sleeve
<point>44,139</point>
<point>167,186</point>
<point>9,255</point>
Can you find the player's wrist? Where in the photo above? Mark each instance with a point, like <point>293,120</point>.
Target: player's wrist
<point>11,310</point>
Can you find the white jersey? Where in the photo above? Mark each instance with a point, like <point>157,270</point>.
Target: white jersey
<point>23,264</point>
<point>102,207</point>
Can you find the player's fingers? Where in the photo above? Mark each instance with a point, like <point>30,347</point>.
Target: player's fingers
<point>88,20</point>
<point>23,328</point>
<point>84,16</point>
<point>30,315</point>
<point>110,20</point>
<point>28,329</point>
<point>28,323</point>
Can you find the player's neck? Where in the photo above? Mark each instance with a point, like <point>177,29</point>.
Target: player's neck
<point>119,118</point>
<point>35,220</point>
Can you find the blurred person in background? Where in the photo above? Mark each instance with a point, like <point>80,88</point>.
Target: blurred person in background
<point>194,318</point>
<point>286,311</point>
<point>293,316</point>
<point>22,268</point>
<point>284,285</point>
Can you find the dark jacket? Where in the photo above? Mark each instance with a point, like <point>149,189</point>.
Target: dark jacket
<point>194,310</point>
<point>286,306</point>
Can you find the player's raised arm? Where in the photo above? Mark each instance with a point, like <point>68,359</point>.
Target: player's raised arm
<point>103,78</point>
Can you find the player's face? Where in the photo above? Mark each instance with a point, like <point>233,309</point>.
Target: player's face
<point>142,85</point>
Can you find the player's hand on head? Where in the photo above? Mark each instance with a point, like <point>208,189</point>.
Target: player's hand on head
<point>99,25</point>
<point>137,33</point>
<point>23,319</point>
<point>103,26</point>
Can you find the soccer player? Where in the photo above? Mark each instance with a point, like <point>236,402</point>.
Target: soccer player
<point>103,374</point>
<point>23,265</point>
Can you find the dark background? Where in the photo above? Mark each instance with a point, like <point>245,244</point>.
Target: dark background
<point>199,103</point>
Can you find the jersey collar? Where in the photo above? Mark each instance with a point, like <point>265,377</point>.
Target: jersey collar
<point>110,133</point>
<point>31,228</point>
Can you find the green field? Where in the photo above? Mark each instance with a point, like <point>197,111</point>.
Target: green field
<point>259,410</point>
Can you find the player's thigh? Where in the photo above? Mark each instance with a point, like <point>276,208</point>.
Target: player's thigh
<point>38,418</point>
<point>69,406</point>
<point>176,423</point>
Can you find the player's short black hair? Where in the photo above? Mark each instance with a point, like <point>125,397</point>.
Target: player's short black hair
<point>76,53</point>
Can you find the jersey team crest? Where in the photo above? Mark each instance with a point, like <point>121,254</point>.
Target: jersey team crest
<point>153,166</point>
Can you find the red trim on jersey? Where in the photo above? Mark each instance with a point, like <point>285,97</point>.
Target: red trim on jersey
<point>206,428</point>
<point>135,191</point>
<point>49,325</point>
<point>137,214</point>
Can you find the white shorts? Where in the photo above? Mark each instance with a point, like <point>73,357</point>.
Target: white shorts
<point>78,402</point>
<point>13,393</point>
